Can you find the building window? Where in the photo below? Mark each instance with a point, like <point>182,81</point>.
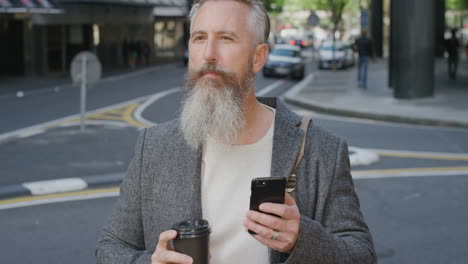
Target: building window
<point>96,35</point>
<point>167,38</point>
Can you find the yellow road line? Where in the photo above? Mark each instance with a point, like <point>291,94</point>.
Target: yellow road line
<point>128,116</point>
<point>421,156</point>
<point>387,171</point>
<point>363,120</point>
<point>123,113</point>
<point>116,189</point>
<point>58,195</point>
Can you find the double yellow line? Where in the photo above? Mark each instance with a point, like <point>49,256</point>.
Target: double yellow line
<point>120,114</point>
<point>434,156</point>
<point>396,171</point>
<point>58,195</point>
<point>359,173</point>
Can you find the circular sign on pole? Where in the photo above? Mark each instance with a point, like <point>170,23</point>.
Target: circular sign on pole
<point>92,69</point>
<point>85,68</point>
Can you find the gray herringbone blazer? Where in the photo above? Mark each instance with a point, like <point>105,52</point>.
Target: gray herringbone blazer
<point>162,187</point>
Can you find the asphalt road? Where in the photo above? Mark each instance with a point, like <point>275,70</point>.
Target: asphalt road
<point>413,220</point>
<point>418,219</point>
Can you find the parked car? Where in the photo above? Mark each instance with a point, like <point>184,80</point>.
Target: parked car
<point>298,42</point>
<point>285,60</point>
<point>344,55</point>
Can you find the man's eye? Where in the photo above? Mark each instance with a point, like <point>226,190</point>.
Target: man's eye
<point>198,38</point>
<point>226,38</point>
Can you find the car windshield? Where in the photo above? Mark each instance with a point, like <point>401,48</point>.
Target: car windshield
<point>285,52</point>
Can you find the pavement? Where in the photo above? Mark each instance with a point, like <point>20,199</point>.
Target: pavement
<point>323,91</point>
<point>338,93</point>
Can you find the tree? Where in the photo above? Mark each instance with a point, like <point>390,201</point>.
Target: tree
<point>457,4</point>
<point>336,9</point>
<point>274,6</point>
<point>460,7</point>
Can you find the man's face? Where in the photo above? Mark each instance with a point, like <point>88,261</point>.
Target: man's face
<point>220,36</point>
<point>221,74</point>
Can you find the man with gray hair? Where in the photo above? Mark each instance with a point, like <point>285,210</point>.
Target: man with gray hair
<point>201,165</point>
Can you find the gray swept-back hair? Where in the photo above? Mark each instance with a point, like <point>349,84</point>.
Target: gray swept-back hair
<point>259,22</point>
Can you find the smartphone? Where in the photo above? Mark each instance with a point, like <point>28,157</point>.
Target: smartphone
<point>266,190</point>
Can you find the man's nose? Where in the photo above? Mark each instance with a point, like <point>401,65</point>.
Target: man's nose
<point>210,52</point>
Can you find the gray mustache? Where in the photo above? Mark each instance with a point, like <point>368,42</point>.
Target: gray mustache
<point>213,68</point>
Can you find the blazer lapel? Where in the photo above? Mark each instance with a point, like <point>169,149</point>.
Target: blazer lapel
<point>188,179</point>
<point>193,183</point>
<point>286,138</point>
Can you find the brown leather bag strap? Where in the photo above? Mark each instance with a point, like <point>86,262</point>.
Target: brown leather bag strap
<point>291,184</point>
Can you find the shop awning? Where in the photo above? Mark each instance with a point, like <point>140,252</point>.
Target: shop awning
<point>170,11</point>
<point>130,2</point>
<point>29,6</point>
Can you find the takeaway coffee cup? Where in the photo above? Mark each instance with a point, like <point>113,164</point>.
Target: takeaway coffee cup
<point>192,239</point>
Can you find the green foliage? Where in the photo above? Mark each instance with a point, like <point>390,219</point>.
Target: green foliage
<point>326,5</point>
<point>335,7</point>
<point>274,6</point>
<point>308,4</point>
<point>457,4</point>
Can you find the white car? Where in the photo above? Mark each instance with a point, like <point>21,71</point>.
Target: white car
<point>285,60</point>
<point>344,55</point>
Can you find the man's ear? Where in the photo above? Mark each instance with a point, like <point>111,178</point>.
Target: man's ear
<point>260,57</point>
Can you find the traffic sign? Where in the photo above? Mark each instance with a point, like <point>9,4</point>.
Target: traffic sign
<point>92,68</point>
<point>85,68</point>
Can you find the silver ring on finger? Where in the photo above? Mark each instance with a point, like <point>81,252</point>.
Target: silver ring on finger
<point>275,235</point>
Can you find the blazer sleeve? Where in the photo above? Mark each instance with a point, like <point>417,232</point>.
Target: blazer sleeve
<point>342,236</point>
<point>122,239</point>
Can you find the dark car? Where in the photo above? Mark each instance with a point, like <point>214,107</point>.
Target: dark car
<point>285,60</point>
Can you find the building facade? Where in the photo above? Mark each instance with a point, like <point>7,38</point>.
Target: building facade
<point>41,37</point>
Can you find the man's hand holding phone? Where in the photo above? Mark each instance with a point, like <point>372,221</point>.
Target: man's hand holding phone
<point>276,225</point>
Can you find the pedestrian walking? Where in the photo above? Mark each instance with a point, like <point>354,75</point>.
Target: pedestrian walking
<point>363,46</point>
<point>201,165</point>
<point>452,45</point>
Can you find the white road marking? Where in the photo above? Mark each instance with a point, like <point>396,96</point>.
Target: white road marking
<point>357,175</point>
<point>59,200</point>
<point>99,122</point>
<point>139,111</point>
<point>299,86</point>
<point>30,133</point>
<point>56,186</point>
<point>363,157</point>
<point>57,122</point>
<point>270,88</point>
<point>39,128</point>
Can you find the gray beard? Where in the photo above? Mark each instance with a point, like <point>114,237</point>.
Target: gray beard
<point>213,108</point>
